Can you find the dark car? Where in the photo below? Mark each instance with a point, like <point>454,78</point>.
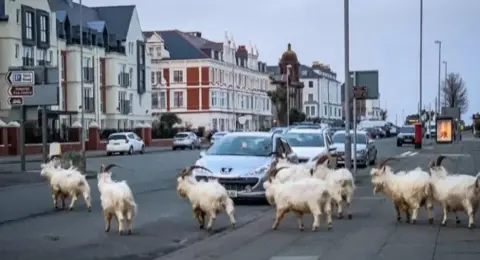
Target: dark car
<point>372,132</point>
<point>381,132</point>
<point>406,135</point>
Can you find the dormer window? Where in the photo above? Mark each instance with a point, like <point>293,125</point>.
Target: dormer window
<point>158,51</point>
<point>150,51</point>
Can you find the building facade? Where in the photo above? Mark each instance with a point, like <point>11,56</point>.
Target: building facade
<point>322,92</point>
<point>116,77</point>
<point>215,85</point>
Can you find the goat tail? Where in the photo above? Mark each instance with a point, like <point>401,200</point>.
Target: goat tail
<point>429,190</point>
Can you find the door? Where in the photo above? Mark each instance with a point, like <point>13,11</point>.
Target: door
<point>139,141</point>
<point>133,141</point>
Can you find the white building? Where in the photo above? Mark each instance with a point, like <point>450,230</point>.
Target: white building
<point>195,80</point>
<point>115,70</point>
<point>322,92</point>
<point>372,109</point>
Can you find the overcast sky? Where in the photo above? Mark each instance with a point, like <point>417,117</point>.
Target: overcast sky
<point>384,36</point>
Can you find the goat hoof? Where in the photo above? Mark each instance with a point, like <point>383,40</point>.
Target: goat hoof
<point>413,222</point>
<point>330,227</point>
<point>71,209</point>
<point>430,221</point>
<point>107,230</point>
<point>202,227</point>
<point>129,232</point>
<point>274,228</point>
<point>472,226</point>
<point>234,226</point>
<point>314,229</point>
<point>89,209</point>
<point>350,216</point>
<point>457,221</point>
<point>340,216</point>
<point>302,228</point>
<point>399,219</point>
<point>444,223</point>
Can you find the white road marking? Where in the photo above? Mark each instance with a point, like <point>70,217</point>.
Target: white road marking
<point>408,154</point>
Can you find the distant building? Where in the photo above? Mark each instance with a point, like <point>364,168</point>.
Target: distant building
<point>207,83</point>
<point>322,92</point>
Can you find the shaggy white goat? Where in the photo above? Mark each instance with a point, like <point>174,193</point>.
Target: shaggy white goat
<point>302,196</point>
<point>408,191</point>
<point>66,183</point>
<point>340,181</point>
<point>455,192</point>
<point>117,200</point>
<point>208,198</point>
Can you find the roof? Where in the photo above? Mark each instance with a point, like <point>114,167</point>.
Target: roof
<point>116,18</point>
<point>307,130</point>
<point>181,45</point>
<point>351,132</point>
<point>253,134</point>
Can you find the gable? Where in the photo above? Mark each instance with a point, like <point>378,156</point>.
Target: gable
<point>155,38</point>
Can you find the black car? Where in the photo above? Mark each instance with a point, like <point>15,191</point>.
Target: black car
<point>406,134</point>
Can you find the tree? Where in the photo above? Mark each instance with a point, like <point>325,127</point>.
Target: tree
<point>169,119</point>
<point>297,116</point>
<point>383,114</point>
<point>279,100</point>
<point>455,92</point>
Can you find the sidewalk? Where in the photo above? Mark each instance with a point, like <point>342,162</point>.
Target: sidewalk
<point>90,154</point>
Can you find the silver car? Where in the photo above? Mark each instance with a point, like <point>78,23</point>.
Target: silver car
<point>308,143</point>
<point>240,160</point>
<point>366,151</point>
<point>184,140</point>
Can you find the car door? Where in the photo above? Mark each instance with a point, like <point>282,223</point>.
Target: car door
<point>194,138</point>
<point>133,141</point>
<point>139,141</point>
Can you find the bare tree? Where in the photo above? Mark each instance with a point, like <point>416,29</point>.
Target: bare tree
<point>455,92</point>
<point>383,114</point>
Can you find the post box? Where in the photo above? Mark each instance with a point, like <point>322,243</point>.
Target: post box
<point>418,136</point>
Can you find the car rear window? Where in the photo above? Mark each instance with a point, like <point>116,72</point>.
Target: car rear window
<point>117,137</point>
<point>181,135</point>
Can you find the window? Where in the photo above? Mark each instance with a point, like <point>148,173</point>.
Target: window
<point>330,111</point>
<point>163,100</point>
<point>159,77</point>
<point>130,77</point>
<point>88,100</point>
<point>310,84</point>
<point>307,110</point>
<point>62,72</point>
<point>28,56</point>
<point>122,80</point>
<point>177,99</point>
<point>312,110</point>
<point>177,76</point>
<point>122,102</point>
<point>152,77</point>
<point>17,50</point>
<point>130,47</point>
<point>29,25</point>
<point>150,51</point>
<point>325,110</point>
<point>130,107</point>
<point>158,51</point>
<point>214,98</point>
<point>41,57</point>
<point>43,28</point>
<point>87,69</point>
<point>310,97</point>
<point>18,16</point>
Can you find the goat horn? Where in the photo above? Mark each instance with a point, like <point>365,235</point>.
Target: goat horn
<point>274,172</point>
<point>384,162</point>
<point>189,170</point>
<point>322,159</point>
<point>108,167</point>
<point>56,156</point>
<point>439,160</point>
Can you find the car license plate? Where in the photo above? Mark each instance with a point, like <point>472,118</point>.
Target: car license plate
<point>232,193</point>
<point>116,143</point>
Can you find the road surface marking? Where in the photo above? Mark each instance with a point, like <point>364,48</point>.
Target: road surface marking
<point>408,153</point>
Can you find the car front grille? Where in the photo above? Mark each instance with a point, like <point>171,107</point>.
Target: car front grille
<point>238,184</point>
<point>302,160</point>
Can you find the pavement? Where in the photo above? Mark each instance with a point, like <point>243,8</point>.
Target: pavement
<point>165,228</point>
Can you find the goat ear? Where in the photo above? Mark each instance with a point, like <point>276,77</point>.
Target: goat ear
<point>384,169</point>
<point>311,172</point>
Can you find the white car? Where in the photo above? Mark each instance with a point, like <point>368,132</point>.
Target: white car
<point>184,140</point>
<point>308,143</point>
<point>125,142</point>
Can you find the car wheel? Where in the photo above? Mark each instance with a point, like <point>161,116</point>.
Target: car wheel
<point>174,148</point>
<point>109,153</point>
<point>374,160</point>
<point>122,153</point>
<point>399,144</point>
<point>130,151</point>
<point>192,146</point>
<point>142,151</point>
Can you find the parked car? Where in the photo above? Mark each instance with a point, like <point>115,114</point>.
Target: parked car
<point>381,132</point>
<point>431,131</point>
<point>366,151</point>
<point>406,135</point>
<point>308,143</point>
<point>184,140</point>
<point>278,130</point>
<point>125,142</point>
<point>239,161</point>
<point>217,136</point>
<point>372,132</point>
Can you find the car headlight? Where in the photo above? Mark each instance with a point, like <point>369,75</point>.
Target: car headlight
<point>257,172</point>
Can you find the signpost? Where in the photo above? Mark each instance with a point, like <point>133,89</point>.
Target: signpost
<point>20,91</point>
<point>359,92</point>
<point>20,78</point>
<point>15,101</point>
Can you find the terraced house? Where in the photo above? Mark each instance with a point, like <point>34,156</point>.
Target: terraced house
<point>115,68</point>
<point>207,83</point>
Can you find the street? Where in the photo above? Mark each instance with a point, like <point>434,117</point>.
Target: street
<point>165,228</point>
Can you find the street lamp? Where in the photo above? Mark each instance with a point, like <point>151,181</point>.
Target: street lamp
<point>421,59</point>
<point>347,90</point>
<point>445,79</point>
<point>288,94</point>
<point>82,120</point>
<point>439,69</point>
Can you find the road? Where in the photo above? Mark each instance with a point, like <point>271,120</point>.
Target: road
<point>165,229</point>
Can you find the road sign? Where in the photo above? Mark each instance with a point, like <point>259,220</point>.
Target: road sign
<point>15,101</point>
<point>20,78</point>
<point>360,92</point>
<point>20,91</point>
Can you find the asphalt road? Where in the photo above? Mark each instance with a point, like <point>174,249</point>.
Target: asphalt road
<point>165,229</point>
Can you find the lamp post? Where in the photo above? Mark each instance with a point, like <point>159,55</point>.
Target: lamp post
<point>445,80</point>
<point>439,71</point>
<point>82,120</point>
<point>348,88</point>
<point>421,60</point>
<point>288,94</point>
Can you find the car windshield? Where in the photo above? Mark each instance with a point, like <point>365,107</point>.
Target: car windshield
<point>242,146</point>
<point>181,135</point>
<point>219,134</point>
<point>340,138</point>
<point>304,139</point>
<point>407,130</point>
<point>117,137</point>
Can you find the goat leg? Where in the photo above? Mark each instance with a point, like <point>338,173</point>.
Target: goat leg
<point>300,223</point>
<point>279,216</point>
<point>211,219</point>
<point>108,220</point>
<point>129,219</point>
<point>349,202</point>
<point>73,195</point>
<point>445,214</point>
<point>457,219</point>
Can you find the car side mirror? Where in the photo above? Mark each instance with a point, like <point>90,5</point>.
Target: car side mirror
<point>202,154</point>
<point>332,149</point>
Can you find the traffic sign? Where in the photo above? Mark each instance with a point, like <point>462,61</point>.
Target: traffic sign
<point>360,92</point>
<point>20,78</point>
<point>20,91</point>
<point>15,101</point>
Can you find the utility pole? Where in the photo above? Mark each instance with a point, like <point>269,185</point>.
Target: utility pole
<point>82,90</point>
<point>288,94</point>
<point>348,88</point>
<point>445,80</point>
<point>437,108</point>
<point>234,61</point>
<point>328,98</point>
<point>421,61</point>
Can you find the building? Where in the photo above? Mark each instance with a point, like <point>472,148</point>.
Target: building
<point>117,93</point>
<point>365,109</point>
<point>322,92</point>
<point>285,77</point>
<point>206,83</point>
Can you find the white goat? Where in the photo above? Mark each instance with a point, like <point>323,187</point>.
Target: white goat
<point>117,200</point>
<point>340,181</point>
<point>302,196</point>
<point>208,198</point>
<point>66,183</point>
<point>455,192</point>
<point>408,191</point>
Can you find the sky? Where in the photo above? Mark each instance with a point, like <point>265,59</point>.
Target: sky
<point>384,36</point>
